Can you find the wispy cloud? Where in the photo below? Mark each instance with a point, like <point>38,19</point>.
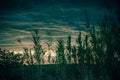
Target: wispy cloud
<point>19,23</point>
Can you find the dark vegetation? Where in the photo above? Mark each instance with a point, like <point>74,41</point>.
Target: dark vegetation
<point>96,57</point>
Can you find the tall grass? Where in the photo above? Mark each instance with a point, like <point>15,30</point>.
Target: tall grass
<point>37,46</point>
<point>60,52</point>
<point>69,49</point>
<point>96,56</point>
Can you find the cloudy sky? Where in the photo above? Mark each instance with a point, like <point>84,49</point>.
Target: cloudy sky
<point>59,18</point>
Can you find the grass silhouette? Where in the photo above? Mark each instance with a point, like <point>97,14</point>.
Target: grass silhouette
<point>96,57</point>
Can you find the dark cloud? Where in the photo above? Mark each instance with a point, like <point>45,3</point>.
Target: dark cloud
<point>17,4</point>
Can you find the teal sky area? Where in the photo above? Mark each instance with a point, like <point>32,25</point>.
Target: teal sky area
<point>58,17</point>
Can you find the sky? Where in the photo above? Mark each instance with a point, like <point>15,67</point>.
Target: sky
<point>55,19</point>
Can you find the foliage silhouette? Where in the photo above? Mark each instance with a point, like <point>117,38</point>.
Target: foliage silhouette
<point>96,55</point>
